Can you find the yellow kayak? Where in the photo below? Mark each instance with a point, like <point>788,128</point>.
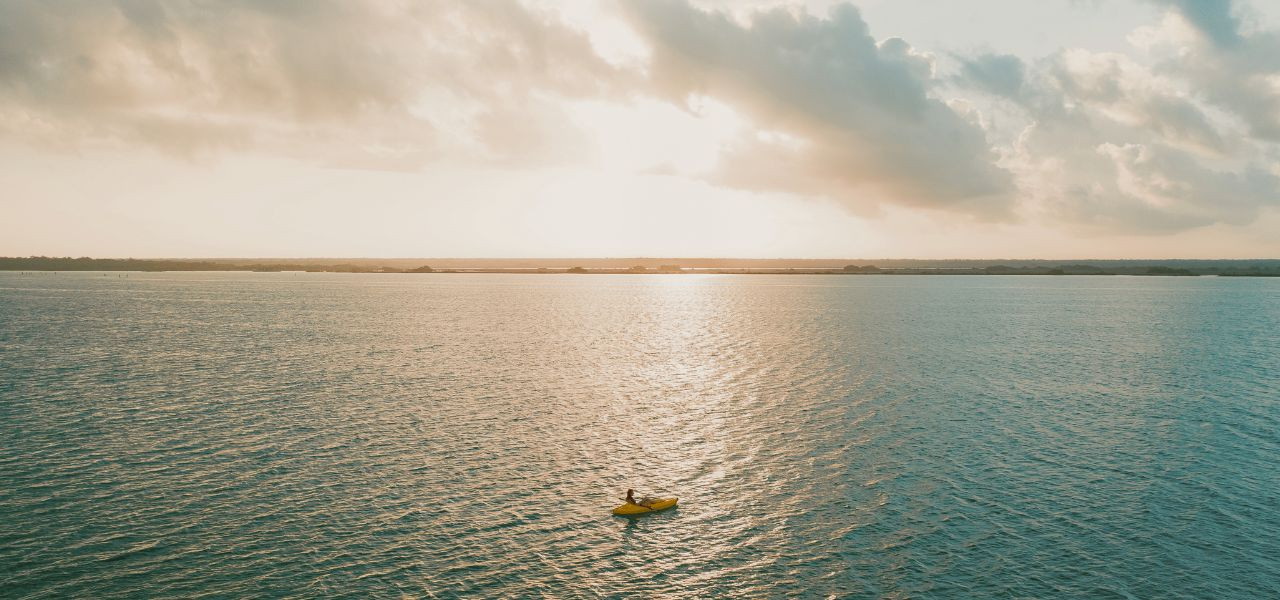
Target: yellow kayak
<point>645,507</point>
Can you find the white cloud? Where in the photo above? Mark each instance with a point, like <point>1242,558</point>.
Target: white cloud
<point>869,128</point>
<point>1109,144</point>
<point>1233,67</point>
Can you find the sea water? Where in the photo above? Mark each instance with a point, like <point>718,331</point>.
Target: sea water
<point>442,435</point>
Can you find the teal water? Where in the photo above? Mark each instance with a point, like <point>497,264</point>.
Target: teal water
<point>303,435</point>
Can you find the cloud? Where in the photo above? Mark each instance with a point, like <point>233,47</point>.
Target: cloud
<point>1214,18</point>
<point>999,74</point>
<point>1123,91</point>
<point>823,109</point>
<point>1114,145</point>
<point>835,112</point>
<point>1110,145</point>
<point>1168,189</point>
<point>319,78</point>
<point>1232,68</point>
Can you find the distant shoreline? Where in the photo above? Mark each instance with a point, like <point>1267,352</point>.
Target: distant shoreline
<point>650,266</point>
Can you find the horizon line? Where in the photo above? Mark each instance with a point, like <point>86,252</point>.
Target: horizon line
<point>634,257</point>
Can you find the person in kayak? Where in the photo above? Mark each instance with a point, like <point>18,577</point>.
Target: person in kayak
<point>631,497</point>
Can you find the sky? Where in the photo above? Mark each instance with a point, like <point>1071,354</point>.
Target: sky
<point>508,128</point>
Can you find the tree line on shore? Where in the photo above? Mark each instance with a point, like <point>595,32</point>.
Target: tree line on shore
<point>1241,268</point>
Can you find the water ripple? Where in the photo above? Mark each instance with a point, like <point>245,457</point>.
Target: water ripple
<point>455,435</point>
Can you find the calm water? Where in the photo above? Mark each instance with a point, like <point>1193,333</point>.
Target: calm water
<point>197,434</point>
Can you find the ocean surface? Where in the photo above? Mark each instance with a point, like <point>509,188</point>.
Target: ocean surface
<point>364,435</point>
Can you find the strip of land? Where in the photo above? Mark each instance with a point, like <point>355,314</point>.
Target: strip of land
<point>736,266</point>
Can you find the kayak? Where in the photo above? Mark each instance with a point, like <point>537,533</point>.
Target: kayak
<point>645,507</point>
